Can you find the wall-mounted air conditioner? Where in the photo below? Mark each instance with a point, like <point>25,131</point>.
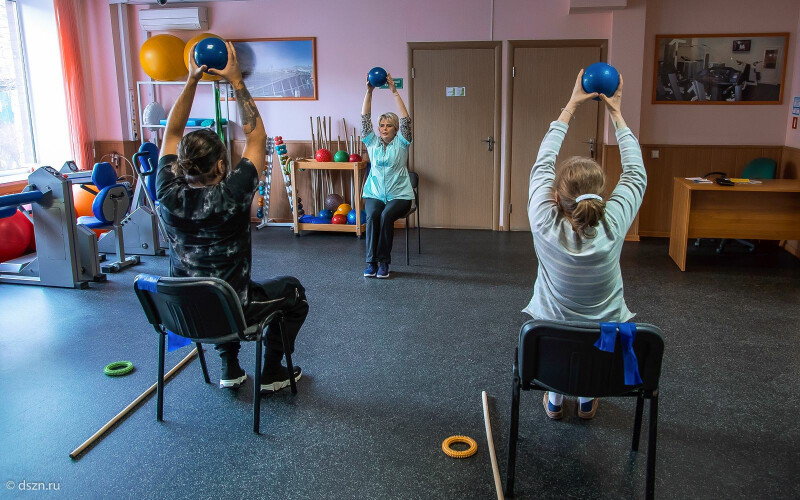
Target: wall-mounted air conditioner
<point>179,18</point>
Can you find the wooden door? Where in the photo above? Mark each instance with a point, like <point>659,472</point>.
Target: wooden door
<point>542,85</point>
<point>451,152</point>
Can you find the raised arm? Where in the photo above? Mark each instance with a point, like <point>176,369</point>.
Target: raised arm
<point>405,120</point>
<point>541,201</point>
<point>176,123</point>
<point>625,200</point>
<point>366,110</point>
<point>255,136</point>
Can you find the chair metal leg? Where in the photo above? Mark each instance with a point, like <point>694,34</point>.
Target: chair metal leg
<point>512,435</point>
<point>202,357</point>
<point>637,422</point>
<point>160,379</point>
<point>288,354</point>
<point>650,480</point>
<point>419,233</point>
<point>257,388</point>
<point>407,259</point>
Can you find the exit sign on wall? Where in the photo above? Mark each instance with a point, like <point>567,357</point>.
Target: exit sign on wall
<point>398,82</point>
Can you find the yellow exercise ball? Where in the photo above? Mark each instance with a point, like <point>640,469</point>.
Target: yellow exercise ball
<point>343,209</point>
<point>161,58</point>
<point>188,48</point>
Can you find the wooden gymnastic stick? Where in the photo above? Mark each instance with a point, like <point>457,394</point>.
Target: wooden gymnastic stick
<point>346,143</point>
<point>313,144</point>
<point>330,134</point>
<point>492,455</point>
<point>339,143</point>
<point>131,406</point>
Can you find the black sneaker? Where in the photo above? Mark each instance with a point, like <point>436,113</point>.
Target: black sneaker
<point>232,375</point>
<point>274,382</point>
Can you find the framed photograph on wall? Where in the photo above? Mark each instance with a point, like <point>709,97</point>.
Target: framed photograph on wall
<point>279,69</point>
<point>741,46</point>
<point>747,68</point>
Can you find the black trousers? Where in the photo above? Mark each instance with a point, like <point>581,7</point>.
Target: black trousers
<point>280,293</point>
<point>380,227</point>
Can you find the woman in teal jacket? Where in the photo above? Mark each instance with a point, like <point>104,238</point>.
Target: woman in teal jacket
<point>387,192</point>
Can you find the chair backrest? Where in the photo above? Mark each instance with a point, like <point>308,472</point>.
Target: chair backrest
<point>760,168</point>
<point>561,356</point>
<point>413,178</point>
<point>149,163</point>
<point>103,175</point>
<point>202,309</point>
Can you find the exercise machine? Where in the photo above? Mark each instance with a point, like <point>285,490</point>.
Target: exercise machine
<point>66,253</point>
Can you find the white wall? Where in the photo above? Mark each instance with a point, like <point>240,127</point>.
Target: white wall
<point>46,80</point>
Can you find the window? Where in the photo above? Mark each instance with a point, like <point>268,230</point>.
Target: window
<point>17,150</point>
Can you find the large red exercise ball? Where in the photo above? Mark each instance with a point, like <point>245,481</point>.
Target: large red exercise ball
<point>354,157</point>
<point>16,233</point>
<point>339,219</point>
<point>600,77</point>
<point>161,57</point>
<point>188,49</point>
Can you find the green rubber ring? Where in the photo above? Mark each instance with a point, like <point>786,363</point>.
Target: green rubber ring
<point>118,368</point>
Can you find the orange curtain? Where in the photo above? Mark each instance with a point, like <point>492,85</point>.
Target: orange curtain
<point>77,116</point>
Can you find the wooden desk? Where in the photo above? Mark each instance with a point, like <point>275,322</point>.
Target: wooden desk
<point>766,211</point>
<point>356,167</point>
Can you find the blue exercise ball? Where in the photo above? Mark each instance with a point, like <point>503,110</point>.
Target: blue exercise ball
<point>351,217</point>
<point>602,78</point>
<point>377,76</point>
<point>211,52</point>
<point>325,214</point>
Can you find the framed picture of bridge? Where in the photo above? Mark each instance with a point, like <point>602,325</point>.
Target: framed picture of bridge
<point>741,68</point>
<point>279,69</point>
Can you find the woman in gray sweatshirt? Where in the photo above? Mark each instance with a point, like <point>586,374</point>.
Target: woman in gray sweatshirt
<point>577,235</point>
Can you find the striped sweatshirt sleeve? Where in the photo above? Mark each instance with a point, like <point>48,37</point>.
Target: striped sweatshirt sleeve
<point>541,203</point>
<point>626,198</point>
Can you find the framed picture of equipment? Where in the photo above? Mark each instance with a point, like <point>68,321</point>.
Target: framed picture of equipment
<point>278,69</point>
<point>741,46</point>
<point>720,69</point>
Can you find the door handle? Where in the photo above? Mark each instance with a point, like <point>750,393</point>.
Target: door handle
<point>491,142</point>
<point>590,142</point>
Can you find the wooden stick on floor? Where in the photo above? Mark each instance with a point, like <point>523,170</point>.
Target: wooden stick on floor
<point>131,406</point>
<point>492,454</point>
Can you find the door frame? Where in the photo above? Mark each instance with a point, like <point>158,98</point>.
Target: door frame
<point>602,43</point>
<point>497,127</point>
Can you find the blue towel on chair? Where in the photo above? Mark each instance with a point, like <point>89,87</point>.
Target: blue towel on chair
<point>608,340</point>
<point>175,341</point>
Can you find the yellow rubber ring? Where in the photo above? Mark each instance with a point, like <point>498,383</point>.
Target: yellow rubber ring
<point>450,452</point>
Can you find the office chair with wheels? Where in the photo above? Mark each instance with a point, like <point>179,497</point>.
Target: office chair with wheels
<point>205,310</point>
<point>562,357</point>
<point>414,178</point>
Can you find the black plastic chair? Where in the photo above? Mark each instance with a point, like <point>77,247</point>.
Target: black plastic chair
<point>561,357</point>
<point>414,178</point>
<point>205,310</point>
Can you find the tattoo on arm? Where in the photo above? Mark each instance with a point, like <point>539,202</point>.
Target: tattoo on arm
<point>248,108</point>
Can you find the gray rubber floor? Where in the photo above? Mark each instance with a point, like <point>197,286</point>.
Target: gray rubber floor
<point>393,367</point>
